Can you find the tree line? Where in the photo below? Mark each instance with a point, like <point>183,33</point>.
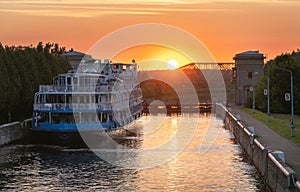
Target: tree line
<point>279,84</point>
<point>22,70</point>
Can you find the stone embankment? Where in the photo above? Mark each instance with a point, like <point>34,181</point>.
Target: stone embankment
<point>271,164</point>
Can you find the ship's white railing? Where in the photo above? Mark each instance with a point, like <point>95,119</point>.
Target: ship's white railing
<point>101,88</point>
<point>84,88</point>
<point>69,88</point>
<point>74,106</point>
<point>54,88</point>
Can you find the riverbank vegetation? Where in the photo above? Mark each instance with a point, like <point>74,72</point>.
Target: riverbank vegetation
<point>22,70</point>
<point>280,123</point>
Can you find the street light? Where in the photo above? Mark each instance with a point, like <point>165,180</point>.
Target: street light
<point>268,95</point>
<point>292,100</point>
<point>253,86</point>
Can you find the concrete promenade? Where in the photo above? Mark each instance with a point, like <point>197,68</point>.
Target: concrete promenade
<point>272,140</point>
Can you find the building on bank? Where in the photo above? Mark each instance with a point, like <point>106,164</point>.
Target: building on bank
<point>249,68</point>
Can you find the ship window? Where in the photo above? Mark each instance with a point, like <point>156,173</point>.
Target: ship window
<point>75,80</point>
<point>81,99</point>
<point>70,118</point>
<point>37,99</point>
<point>81,81</point>
<point>44,117</point>
<point>99,116</point>
<point>75,98</point>
<point>50,98</point>
<point>87,117</point>
<point>47,98</point>
<point>69,80</point>
<point>43,98</point>
<point>55,118</point>
<point>96,98</point>
<point>76,117</point>
<point>69,99</point>
<point>62,81</point>
<point>55,81</point>
<point>87,81</point>
<point>93,99</point>
<point>83,117</point>
<point>104,117</point>
<point>60,99</point>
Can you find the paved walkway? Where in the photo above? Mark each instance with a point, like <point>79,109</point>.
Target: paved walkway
<point>272,140</point>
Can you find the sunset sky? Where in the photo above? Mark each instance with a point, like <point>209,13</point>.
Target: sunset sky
<point>225,27</point>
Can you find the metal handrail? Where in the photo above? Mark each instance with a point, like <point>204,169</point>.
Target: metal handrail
<point>72,106</point>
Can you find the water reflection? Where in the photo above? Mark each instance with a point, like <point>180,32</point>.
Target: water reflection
<point>52,168</point>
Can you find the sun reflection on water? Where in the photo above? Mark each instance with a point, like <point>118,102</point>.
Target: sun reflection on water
<point>51,168</point>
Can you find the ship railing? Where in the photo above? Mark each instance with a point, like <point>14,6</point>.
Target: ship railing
<point>95,88</point>
<point>86,88</point>
<point>72,106</point>
<point>69,88</point>
<point>92,106</point>
<point>55,88</point>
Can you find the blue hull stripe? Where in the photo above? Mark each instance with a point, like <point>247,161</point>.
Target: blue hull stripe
<point>72,111</point>
<point>72,127</point>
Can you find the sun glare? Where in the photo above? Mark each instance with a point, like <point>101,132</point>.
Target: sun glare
<point>172,64</point>
<point>153,57</point>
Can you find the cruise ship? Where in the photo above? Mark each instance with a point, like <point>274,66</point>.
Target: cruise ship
<point>99,96</point>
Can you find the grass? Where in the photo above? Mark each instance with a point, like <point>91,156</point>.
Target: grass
<point>280,123</point>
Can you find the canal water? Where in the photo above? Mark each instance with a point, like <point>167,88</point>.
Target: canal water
<point>211,161</point>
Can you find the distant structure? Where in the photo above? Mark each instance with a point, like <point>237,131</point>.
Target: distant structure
<point>74,58</point>
<point>249,67</point>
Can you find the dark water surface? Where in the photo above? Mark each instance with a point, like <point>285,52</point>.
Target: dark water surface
<point>35,167</point>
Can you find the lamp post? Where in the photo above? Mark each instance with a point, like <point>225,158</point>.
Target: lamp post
<point>268,95</point>
<point>253,86</point>
<point>292,101</point>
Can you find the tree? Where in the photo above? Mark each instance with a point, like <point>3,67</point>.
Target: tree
<point>22,70</point>
<point>280,83</point>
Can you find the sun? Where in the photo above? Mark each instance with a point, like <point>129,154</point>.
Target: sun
<point>172,64</point>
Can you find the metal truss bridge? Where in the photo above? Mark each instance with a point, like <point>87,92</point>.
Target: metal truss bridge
<point>209,66</point>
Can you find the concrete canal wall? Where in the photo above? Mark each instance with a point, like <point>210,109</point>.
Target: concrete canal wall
<point>277,175</point>
<point>14,131</point>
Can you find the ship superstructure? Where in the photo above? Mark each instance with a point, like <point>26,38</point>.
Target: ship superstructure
<point>98,96</point>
